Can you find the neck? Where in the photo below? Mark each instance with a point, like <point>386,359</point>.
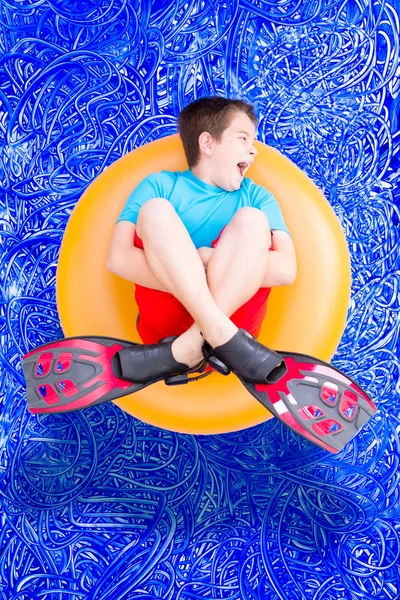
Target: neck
<point>202,173</point>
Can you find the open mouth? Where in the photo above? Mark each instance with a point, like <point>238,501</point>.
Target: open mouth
<point>242,167</point>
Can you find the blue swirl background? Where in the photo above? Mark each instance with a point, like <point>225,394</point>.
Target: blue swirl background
<point>97,504</point>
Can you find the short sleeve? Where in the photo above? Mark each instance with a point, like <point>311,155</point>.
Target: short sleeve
<point>266,201</point>
<point>157,185</point>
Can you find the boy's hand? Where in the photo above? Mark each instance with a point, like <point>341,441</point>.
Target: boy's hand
<point>205,255</point>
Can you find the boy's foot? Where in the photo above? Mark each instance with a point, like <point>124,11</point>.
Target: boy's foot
<point>187,348</point>
<point>148,363</point>
<point>247,358</point>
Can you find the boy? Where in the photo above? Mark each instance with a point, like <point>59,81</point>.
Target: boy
<point>198,247</point>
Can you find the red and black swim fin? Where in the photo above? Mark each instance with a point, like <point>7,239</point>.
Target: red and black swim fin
<point>310,396</point>
<point>74,373</point>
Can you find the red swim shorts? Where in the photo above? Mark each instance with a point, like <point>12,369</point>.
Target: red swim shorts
<point>161,315</point>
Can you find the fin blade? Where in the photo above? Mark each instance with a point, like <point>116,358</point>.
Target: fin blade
<point>316,401</point>
<point>74,373</point>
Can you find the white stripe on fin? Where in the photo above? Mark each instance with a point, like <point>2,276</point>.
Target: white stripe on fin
<point>280,407</point>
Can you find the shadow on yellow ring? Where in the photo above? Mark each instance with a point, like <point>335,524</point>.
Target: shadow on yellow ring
<point>308,316</point>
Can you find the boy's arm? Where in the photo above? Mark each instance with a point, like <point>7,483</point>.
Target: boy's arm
<point>127,261</point>
<point>282,266</point>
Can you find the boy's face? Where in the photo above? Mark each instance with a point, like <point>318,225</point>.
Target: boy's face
<point>233,153</point>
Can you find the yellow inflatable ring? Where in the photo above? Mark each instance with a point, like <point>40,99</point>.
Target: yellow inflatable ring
<point>307,317</point>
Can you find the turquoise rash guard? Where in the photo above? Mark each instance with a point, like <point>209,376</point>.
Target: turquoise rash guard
<point>203,208</point>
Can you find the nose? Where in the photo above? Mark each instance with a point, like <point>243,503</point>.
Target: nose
<point>253,150</point>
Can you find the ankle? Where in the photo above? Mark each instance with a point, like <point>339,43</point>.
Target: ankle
<point>187,351</point>
<point>220,334</point>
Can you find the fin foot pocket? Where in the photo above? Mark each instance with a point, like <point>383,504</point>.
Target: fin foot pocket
<point>148,363</point>
<point>247,358</point>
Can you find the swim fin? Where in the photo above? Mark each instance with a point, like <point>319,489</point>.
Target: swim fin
<point>311,397</point>
<point>74,373</point>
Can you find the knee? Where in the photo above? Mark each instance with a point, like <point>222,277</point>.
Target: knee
<point>156,210</point>
<point>252,223</point>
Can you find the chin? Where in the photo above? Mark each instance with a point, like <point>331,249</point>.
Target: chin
<point>233,186</point>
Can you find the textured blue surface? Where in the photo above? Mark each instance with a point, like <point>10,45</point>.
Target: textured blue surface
<point>96,504</point>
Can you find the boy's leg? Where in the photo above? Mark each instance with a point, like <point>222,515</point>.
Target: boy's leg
<point>240,260</point>
<point>235,271</point>
<point>173,258</point>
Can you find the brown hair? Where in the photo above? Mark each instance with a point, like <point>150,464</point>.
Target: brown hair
<point>213,115</point>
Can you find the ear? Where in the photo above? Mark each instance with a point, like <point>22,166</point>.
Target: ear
<point>206,143</point>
